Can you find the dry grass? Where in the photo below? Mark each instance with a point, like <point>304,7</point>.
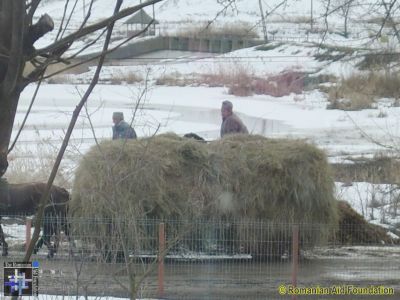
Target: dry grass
<point>275,179</point>
<point>378,61</point>
<point>280,85</point>
<point>240,81</point>
<point>297,20</point>
<point>61,79</point>
<point>228,30</point>
<point>104,178</point>
<point>125,77</point>
<point>290,19</point>
<point>366,233</point>
<point>388,22</point>
<point>118,77</point>
<point>380,169</point>
<point>237,78</point>
<point>232,76</point>
<point>360,91</point>
<point>239,177</point>
<point>35,164</point>
<point>176,79</point>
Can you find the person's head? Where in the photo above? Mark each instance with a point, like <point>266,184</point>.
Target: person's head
<point>226,109</point>
<point>117,117</point>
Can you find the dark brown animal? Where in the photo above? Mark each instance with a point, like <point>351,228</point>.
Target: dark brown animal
<point>194,136</point>
<point>23,199</point>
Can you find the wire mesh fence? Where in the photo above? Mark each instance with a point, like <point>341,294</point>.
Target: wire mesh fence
<point>202,259</point>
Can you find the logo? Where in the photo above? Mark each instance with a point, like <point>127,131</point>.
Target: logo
<point>21,279</point>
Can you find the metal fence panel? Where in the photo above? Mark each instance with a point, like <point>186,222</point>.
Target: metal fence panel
<point>203,259</point>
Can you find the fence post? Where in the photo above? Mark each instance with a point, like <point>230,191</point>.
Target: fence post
<point>161,254</point>
<point>295,256</point>
<point>28,227</point>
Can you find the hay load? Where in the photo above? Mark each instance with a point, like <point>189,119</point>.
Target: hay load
<point>240,177</point>
<point>283,181</point>
<point>354,229</point>
<point>168,176</point>
<point>278,181</point>
<point>162,177</point>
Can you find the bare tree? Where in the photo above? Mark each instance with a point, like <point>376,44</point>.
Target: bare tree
<point>391,8</point>
<point>18,34</point>
<point>342,8</point>
<point>264,14</point>
<point>264,24</point>
<point>345,9</point>
<point>17,37</point>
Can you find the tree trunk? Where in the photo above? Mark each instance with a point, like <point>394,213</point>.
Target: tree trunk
<point>12,28</point>
<point>5,23</point>
<point>264,24</point>
<point>7,114</point>
<point>346,17</point>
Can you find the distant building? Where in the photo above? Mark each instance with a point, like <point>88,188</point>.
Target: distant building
<point>138,22</point>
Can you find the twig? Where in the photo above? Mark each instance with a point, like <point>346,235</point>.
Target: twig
<point>96,56</point>
<point>26,116</point>
<point>71,126</point>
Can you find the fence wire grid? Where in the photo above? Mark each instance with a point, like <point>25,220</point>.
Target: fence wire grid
<point>202,259</point>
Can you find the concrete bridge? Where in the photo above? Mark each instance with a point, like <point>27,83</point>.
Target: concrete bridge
<point>210,45</point>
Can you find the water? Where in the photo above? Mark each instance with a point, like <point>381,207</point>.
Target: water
<point>255,125</point>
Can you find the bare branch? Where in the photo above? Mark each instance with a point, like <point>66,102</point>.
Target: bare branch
<point>263,22</point>
<point>389,9</point>
<point>229,3</point>
<point>283,2</point>
<point>69,18</point>
<point>89,12</point>
<point>386,18</point>
<point>98,55</point>
<point>68,134</point>
<point>26,116</point>
<point>87,45</point>
<point>326,23</point>
<point>369,137</point>
<point>335,9</point>
<point>68,40</point>
<point>15,65</point>
<point>32,9</point>
<point>63,18</point>
<point>92,127</point>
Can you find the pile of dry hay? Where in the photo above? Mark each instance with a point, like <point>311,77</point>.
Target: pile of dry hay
<point>354,229</point>
<point>161,177</point>
<point>278,180</point>
<point>239,177</point>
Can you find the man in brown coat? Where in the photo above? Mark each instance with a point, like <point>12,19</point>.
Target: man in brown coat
<point>231,123</point>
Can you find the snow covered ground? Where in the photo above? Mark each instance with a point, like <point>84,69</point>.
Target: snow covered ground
<point>196,108</point>
<point>378,203</point>
<point>290,21</point>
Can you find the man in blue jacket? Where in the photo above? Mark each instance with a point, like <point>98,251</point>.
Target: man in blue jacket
<point>121,129</point>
